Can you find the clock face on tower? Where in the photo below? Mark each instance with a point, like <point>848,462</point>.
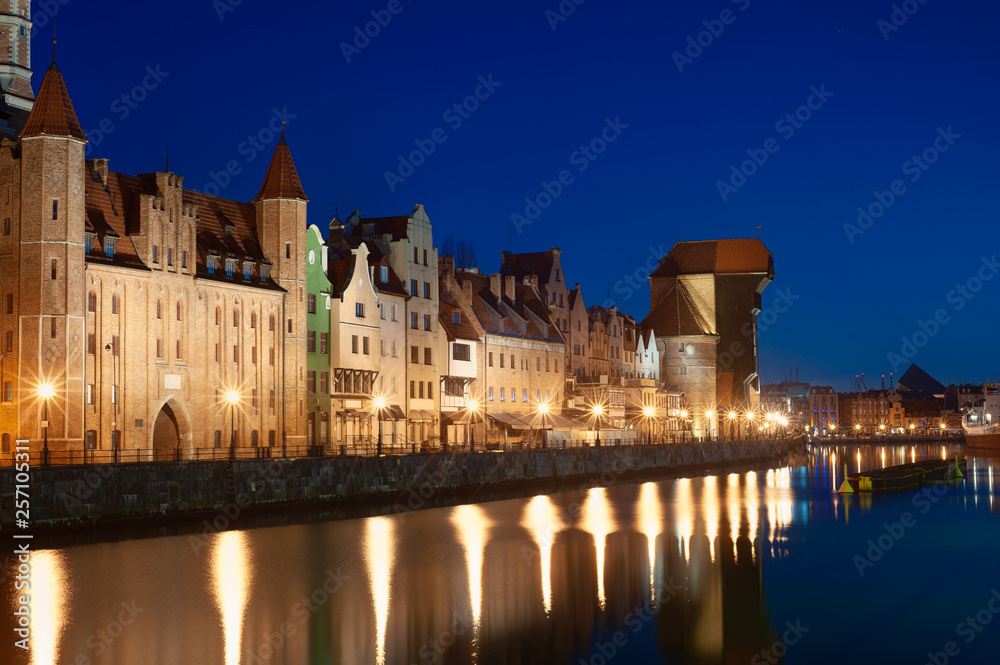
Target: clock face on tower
<point>312,256</point>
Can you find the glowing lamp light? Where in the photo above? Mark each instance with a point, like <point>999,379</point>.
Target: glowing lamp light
<point>749,415</point>
<point>598,410</point>
<point>684,414</point>
<point>46,391</point>
<point>232,397</point>
<point>857,427</point>
<point>732,415</point>
<point>379,403</point>
<point>473,406</point>
<point>543,408</point>
<point>649,412</point>
<point>710,414</point>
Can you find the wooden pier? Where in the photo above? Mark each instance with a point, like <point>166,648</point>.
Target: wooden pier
<point>906,477</point>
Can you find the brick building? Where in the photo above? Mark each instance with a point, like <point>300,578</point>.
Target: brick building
<point>140,303</point>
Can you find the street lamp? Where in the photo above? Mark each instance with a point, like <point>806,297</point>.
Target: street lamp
<point>597,411</point>
<point>473,409</point>
<point>46,392</point>
<point>684,415</point>
<point>543,410</point>
<point>732,430</point>
<point>233,398</point>
<point>709,415</point>
<point>379,404</point>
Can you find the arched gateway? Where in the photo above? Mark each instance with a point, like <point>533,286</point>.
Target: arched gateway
<point>171,430</point>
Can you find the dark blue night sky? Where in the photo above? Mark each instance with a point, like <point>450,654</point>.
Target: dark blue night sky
<point>886,96</point>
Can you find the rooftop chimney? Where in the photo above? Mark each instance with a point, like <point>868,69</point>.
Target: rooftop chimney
<point>510,288</point>
<point>495,285</point>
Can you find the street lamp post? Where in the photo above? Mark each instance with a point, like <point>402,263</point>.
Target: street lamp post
<point>598,410</point>
<point>473,410</point>
<point>46,392</point>
<point>649,412</point>
<point>710,418</point>
<point>732,428</point>
<point>232,397</point>
<point>684,415</point>
<point>379,404</point>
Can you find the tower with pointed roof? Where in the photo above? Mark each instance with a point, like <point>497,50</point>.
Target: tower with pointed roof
<point>281,230</point>
<point>51,264</point>
<point>15,44</point>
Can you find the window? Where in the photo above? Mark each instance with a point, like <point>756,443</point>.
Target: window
<point>512,361</point>
<point>538,395</point>
<point>270,403</point>
<point>456,317</point>
<point>421,390</point>
<point>324,340</point>
<point>211,265</point>
<point>288,250</point>
<point>236,318</point>
<point>576,349</point>
<point>91,302</point>
<point>247,269</point>
<point>490,358</point>
<point>501,395</point>
<point>684,371</point>
<point>311,381</point>
<point>425,257</point>
<point>462,352</point>
<point>170,256</point>
<point>114,345</point>
<point>265,272</point>
<point>216,352</point>
<point>10,303</point>
<point>311,303</point>
<point>413,320</point>
<point>359,310</point>
<point>271,355</point>
<point>236,353</point>
<point>560,300</point>
<point>415,250</point>
<point>184,258</point>
<point>427,321</point>
<point>413,287</point>
<point>557,274</point>
<point>178,310</point>
<point>538,364</point>
<point>381,347</point>
<point>6,226</point>
<point>156,254</point>
<point>393,312</point>
<point>324,383</point>
<point>427,290</point>
<point>414,355</point>
<point>524,395</point>
<point>55,268</point>
<point>52,328</point>
<point>270,323</point>
<point>159,349</point>
<point>381,311</point>
<point>383,274</point>
<point>365,346</point>
<point>159,310</point>
<point>179,355</point>
<point>90,393</point>
<point>427,356</point>
<point>8,391</point>
<point>55,209</point>
<point>9,341</point>
<point>114,304</point>
<point>413,389</point>
<point>354,343</point>
<point>311,341</point>
<point>91,343</point>
<point>501,360</point>
<point>491,394</point>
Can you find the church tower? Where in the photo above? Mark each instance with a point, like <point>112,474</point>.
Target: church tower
<point>281,231</point>
<point>15,55</point>
<point>52,338</point>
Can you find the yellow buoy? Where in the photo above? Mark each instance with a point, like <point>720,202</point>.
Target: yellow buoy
<point>958,469</point>
<point>845,487</point>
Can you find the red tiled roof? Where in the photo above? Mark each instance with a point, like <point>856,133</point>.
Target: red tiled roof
<point>282,180</point>
<point>395,284</point>
<point>676,314</point>
<point>462,330</point>
<point>53,113</point>
<point>527,264</point>
<point>488,309</point>
<point>105,215</point>
<point>720,257</point>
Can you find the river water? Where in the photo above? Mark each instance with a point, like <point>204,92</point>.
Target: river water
<point>764,566</point>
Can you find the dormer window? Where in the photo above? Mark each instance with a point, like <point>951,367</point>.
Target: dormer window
<point>229,231</point>
<point>247,270</point>
<point>265,273</point>
<point>230,267</point>
<point>88,243</point>
<point>212,263</point>
<point>384,274</point>
<point>109,247</point>
<point>456,317</point>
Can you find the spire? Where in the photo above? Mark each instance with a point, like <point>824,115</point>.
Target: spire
<point>282,180</point>
<point>53,113</point>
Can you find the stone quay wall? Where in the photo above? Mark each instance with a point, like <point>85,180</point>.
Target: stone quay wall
<point>66,496</point>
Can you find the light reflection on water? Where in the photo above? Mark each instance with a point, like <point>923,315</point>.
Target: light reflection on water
<point>539,580</point>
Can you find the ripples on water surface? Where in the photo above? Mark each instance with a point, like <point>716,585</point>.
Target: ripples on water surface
<point>713,569</point>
